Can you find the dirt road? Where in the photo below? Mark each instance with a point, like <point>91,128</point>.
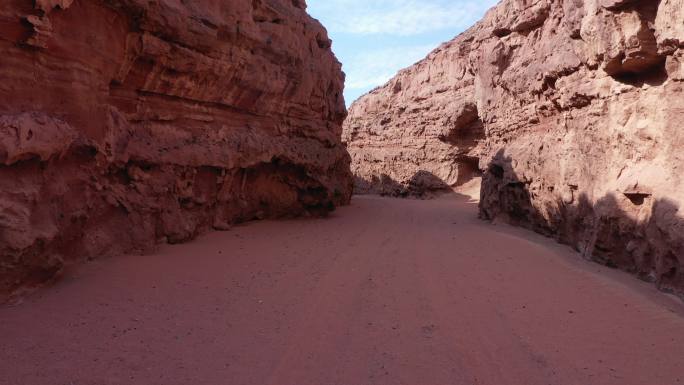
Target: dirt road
<point>383,292</point>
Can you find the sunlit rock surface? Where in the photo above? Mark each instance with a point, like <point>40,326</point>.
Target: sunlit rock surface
<point>572,109</point>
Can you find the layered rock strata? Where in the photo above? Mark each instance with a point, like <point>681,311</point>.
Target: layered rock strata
<point>572,109</point>
<point>125,123</point>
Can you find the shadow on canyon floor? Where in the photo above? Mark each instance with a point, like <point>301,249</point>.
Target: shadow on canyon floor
<point>422,185</point>
<point>78,207</point>
<point>631,231</point>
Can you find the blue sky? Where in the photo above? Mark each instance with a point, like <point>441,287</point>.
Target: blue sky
<point>375,38</point>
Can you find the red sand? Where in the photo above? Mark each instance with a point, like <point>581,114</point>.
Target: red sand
<point>384,292</point>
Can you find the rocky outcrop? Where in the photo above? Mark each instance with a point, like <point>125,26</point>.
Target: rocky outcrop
<point>577,132</point>
<point>125,123</point>
<point>421,131</point>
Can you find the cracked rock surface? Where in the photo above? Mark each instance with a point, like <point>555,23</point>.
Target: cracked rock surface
<point>125,123</point>
<point>571,110</point>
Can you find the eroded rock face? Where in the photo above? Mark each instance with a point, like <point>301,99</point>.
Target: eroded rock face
<point>579,104</point>
<point>124,123</point>
<point>420,132</point>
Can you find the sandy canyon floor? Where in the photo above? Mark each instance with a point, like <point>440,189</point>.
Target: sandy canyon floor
<point>384,291</point>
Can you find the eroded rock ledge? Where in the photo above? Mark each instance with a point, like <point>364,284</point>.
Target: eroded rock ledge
<point>124,123</point>
<point>570,108</point>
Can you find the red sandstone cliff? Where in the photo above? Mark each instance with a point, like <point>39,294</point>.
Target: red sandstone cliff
<point>124,123</point>
<point>571,108</point>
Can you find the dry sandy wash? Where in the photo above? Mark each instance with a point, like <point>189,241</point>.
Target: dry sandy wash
<point>383,292</point>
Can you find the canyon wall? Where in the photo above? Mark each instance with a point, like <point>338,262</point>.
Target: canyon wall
<point>572,111</point>
<point>126,123</point>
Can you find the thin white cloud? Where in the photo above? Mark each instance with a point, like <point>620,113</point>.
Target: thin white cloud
<point>376,38</point>
<point>369,69</point>
<point>400,17</point>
